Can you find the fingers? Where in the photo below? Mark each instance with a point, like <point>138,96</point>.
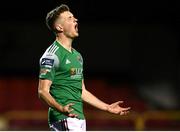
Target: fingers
<point>116,109</point>
<point>118,102</point>
<point>126,109</point>
<point>70,104</point>
<point>68,107</point>
<point>124,112</point>
<point>68,110</point>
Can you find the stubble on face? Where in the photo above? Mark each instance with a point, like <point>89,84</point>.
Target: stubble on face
<point>69,24</point>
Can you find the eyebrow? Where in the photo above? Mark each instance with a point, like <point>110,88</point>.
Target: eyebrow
<point>71,16</point>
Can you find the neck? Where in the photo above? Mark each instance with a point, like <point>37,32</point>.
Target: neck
<point>65,42</point>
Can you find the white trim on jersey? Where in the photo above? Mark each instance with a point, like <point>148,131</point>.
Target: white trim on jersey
<point>53,49</point>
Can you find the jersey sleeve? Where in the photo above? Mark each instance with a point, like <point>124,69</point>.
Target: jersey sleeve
<point>48,64</point>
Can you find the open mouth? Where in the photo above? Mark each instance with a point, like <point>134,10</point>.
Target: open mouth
<point>76,27</point>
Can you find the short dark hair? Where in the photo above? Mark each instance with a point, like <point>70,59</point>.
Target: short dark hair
<point>53,15</point>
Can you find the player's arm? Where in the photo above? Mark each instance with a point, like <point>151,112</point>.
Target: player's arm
<point>94,101</point>
<point>43,92</point>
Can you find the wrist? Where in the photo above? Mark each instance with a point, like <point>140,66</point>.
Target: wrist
<point>106,107</point>
<point>60,108</point>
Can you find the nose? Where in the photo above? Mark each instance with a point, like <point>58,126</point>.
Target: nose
<point>75,19</point>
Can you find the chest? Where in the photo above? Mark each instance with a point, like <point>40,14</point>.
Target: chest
<point>71,62</point>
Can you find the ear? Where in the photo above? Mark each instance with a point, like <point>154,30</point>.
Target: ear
<point>59,27</point>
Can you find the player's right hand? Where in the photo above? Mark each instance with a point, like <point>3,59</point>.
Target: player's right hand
<point>68,111</point>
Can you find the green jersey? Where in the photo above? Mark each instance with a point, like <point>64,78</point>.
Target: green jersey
<point>65,70</point>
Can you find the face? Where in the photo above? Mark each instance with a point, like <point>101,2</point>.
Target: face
<point>68,24</point>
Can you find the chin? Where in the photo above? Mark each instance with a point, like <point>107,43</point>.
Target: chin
<point>76,35</point>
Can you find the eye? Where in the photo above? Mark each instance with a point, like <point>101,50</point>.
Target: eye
<point>70,17</point>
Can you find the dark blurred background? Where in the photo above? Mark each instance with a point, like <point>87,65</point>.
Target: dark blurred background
<point>130,51</point>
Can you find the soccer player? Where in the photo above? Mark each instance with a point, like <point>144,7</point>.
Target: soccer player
<point>61,83</point>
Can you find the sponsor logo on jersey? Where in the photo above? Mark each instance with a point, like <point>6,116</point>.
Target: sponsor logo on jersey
<point>47,62</point>
<point>76,73</point>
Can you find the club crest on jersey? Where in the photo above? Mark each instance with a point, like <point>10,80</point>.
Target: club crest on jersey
<point>47,62</point>
<point>79,58</point>
<point>72,71</point>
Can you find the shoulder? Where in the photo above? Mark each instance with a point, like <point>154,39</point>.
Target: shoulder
<point>50,56</point>
<point>50,52</point>
<point>52,49</point>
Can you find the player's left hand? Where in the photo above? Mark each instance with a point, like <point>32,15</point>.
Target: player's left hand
<point>116,109</point>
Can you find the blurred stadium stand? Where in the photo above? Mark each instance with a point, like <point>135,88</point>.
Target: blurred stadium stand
<point>21,108</point>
